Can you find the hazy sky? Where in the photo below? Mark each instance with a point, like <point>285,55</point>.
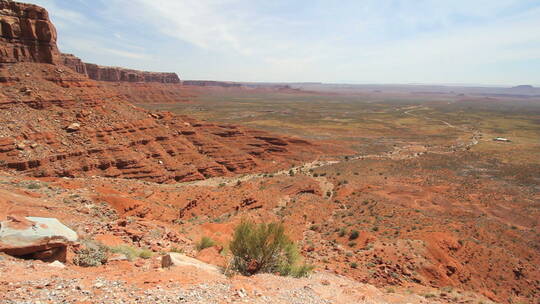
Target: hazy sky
<point>353,41</point>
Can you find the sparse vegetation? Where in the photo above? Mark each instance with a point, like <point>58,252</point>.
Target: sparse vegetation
<point>131,252</point>
<point>354,235</point>
<point>265,248</point>
<point>205,242</point>
<point>177,250</point>
<point>91,255</point>
<point>33,186</point>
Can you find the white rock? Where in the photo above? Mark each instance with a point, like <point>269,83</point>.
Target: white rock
<point>57,264</point>
<point>174,259</point>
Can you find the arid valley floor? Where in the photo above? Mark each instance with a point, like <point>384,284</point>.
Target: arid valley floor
<point>394,196</point>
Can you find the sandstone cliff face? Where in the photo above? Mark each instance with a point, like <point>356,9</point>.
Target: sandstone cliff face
<point>26,34</point>
<point>75,63</point>
<point>115,74</point>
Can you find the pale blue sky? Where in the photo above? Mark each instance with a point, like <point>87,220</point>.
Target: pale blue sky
<point>354,41</point>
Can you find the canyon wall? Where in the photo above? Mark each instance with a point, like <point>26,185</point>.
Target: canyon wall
<point>26,34</point>
<point>116,74</point>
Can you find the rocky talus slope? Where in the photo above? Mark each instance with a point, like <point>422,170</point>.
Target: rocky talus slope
<point>78,204</point>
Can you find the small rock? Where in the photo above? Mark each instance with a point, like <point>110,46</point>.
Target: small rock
<point>241,293</point>
<point>57,264</point>
<point>74,127</point>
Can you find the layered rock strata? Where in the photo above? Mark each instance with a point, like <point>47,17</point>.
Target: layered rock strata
<point>26,34</point>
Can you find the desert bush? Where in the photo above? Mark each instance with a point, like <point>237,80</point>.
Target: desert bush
<point>177,250</point>
<point>354,235</point>
<point>131,252</point>
<point>204,243</point>
<point>33,186</point>
<point>93,254</point>
<point>259,248</point>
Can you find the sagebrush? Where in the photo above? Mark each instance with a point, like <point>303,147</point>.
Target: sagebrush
<point>265,248</point>
<point>93,254</point>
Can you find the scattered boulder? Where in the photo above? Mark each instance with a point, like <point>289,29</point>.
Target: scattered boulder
<point>38,238</point>
<point>176,259</point>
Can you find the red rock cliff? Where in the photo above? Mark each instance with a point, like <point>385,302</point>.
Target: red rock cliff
<point>26,34</point>
<point>75,63</point>
<point>105,73</point>
<point>116,74</point>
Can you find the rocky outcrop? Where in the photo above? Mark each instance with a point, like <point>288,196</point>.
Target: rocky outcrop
<point>115,74</point>
<point>173,259</point>
<point>26,34</point>
<point>34,237</point>
<point>75,63</point>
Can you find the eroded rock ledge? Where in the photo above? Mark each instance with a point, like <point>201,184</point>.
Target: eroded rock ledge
<point>26,34</point>
<point>116,74</point>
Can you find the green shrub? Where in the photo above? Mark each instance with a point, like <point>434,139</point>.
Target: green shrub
<point>145,254</point>
<point>33,186</point>
<point>177,250</point>
<point>259,248</point>
<point>354,265</point>
<point>204,243</point>
<point>131,252</point>
<point>342,232</point>
<point>93,254</point>
<point>354,235</point>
